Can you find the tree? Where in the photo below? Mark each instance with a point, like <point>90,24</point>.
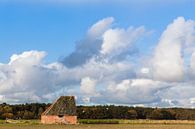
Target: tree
<point>19,114</point>
<point>132,114</point>
<point>7,115</point>
<point>7,109</point>
<point>40,112</point>
<point>28,115</point>
<point>156,114</point>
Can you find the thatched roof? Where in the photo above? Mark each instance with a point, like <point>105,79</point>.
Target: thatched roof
<point>65,105</point>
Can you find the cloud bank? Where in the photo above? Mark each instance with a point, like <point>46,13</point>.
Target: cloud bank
<point>105,69</point>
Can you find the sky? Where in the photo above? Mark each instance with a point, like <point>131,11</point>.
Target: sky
<point>124,52</point>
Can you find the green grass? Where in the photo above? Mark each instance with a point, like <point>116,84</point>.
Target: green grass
<point>20,122</point>
<point>1,121</point>
<point>102,121</point>
<point>121,121</point>
<point>101,124</point>
<point>98,121</point>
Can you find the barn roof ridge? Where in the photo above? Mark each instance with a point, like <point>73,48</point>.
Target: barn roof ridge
<point>64,105</point>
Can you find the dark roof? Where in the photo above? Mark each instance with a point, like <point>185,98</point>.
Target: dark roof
<point>65,105</point>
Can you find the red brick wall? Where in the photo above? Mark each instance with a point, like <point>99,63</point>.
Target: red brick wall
<point>46,119</point>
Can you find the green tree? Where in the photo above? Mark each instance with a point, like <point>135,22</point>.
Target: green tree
<point>28,115</point>
<point>40,112</point>
<point>132,114</point>
<point>7,115</point>
<point>156,114</point>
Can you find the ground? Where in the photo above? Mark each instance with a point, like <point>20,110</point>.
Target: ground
<point>34,124</point>
<point>100,126</point>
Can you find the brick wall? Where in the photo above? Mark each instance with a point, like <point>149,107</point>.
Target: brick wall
<point>47,119</point>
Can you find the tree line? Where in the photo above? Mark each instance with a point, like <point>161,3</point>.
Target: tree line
<point>34,111</point>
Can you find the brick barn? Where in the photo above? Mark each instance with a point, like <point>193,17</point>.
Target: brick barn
<point>62,111</point>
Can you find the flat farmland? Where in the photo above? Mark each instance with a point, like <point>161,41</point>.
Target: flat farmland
<point>100,126</point>
<point>123,124</point>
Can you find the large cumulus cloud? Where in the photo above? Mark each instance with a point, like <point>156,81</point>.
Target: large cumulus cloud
<point>168,59</point>
<point>105,69</point>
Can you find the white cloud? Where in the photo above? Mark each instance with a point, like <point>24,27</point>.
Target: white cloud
<point>86,100</point>
<point>26,73</point>
<point>88,86</point>
<point>100,27</point>
<point>192,64</point>
<point>30,57</point>
<point>100,70</point>
<point>119,40</point>
<point>104,41</point>
<point>168,62</point>
<point>179,93</point>
<point>25,76</point>
<point>90,45</point>
<point>145,70</point>
<point>134,91</point>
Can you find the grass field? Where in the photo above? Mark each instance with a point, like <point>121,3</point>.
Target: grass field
<point>100,126</point>
<point>123,124</point>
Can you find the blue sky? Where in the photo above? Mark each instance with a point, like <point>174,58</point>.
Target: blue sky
<point>56,26</point>
<point>102,52</point>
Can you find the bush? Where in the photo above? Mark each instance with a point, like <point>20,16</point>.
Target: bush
<point>132,114</point>
<point>98,121</point>
<point>7,116</point>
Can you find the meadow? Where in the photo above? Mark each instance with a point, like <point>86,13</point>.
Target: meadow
<point>101,124</point>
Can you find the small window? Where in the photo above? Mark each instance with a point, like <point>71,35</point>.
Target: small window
<point>60,115</point>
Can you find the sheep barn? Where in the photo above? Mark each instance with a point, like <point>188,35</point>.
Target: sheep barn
<point>62,111</point>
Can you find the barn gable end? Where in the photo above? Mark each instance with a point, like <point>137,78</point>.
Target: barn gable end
<point>62,111</point>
